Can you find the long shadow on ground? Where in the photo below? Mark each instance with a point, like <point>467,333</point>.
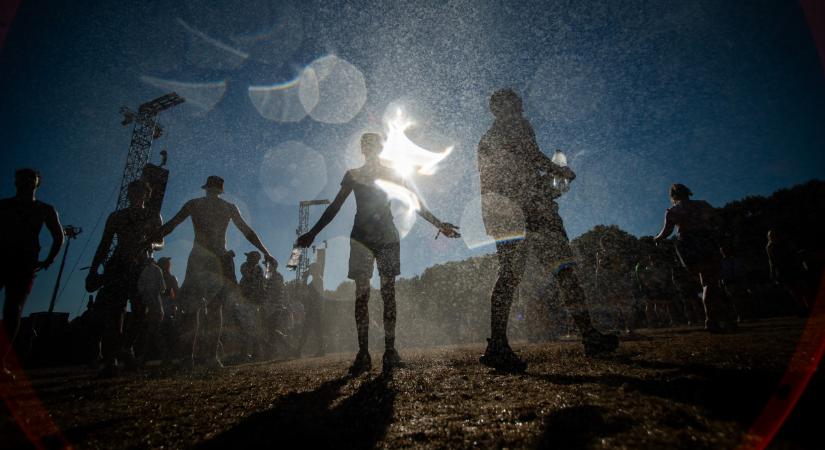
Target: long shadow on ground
<point>578,427</point>
<point>726,394</point>
<point>307,420</point>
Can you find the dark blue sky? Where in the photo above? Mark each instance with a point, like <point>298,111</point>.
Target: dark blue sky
<point>726,97</point>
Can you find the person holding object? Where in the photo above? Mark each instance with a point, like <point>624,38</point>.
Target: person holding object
<point>519,212</point>
<point>374,239</point>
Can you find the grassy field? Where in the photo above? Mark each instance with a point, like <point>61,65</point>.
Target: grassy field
<point>667,388</point>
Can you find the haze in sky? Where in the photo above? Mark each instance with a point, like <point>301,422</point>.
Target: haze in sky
<point>725,97</point>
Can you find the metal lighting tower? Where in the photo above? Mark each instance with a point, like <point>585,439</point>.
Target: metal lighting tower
<point>146,129</point>
<point>303,227</point>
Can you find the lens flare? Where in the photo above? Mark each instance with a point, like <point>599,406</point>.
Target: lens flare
<point>408,203</point>
<point>202,97</point>
<point>402,194</point>
<point>404,155</point>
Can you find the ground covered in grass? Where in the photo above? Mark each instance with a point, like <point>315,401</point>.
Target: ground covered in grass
<point>666,388</point>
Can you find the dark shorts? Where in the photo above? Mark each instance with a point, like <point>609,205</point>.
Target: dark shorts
<point>363,255</point>
<point>697,252</point>
<point>17,284</point>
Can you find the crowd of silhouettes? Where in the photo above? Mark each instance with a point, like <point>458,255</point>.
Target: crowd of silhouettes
<point>609,282</point>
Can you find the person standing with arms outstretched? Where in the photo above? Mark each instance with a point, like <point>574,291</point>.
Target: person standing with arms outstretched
<point>516,203</point>
<point>21,219</point>
<point>374,238</point>
<point>210,271</point>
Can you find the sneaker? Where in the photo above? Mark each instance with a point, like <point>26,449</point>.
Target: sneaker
<point>362,363</point>
<point>597,343</point>
<point>500,356</point>
<point>392,360</point>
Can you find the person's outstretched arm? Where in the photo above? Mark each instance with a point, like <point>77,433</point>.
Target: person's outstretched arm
<point>447,229</point>
<point>56,230</point>
<point>249,233</point>
<point>170,226</point>
<point>306,239</point>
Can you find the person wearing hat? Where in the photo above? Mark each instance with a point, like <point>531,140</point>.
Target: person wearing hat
<point>210,270</point>
<point>135,228</point>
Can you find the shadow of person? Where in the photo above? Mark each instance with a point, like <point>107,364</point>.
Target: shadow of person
<point>309,419</point>
<point>577,427</point>
<point>721,393</point>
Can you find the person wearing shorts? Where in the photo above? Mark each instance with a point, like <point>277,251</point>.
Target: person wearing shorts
<point>374,239</point>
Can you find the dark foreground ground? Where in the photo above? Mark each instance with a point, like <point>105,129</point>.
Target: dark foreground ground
<point>675,388</point>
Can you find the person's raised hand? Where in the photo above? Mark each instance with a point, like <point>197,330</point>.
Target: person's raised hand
<point>449,230</point>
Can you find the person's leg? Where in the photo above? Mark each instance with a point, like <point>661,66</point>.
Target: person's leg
<point>511,264</point>
<point>388,296</point>
<point>110,309</point>
<point>135,336</point>
<point>555,251</point>
<point>573,297</point>
<point>498,354</point>
<point>16,290</point>
<point>716,319</point>
<point>362,313</point>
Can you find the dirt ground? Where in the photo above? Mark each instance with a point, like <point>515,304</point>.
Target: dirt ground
<point>669,388</point>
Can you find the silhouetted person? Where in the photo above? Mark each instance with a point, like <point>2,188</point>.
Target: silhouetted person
<point>210,270</point>
<point>170,295</point>
<point>311,298</point>
<point>151,287</point>
<point>135,228</point>
<point>517,202</point>
<point>170,328</point>
<point>248,311</point>
<point>21,219</point>
<point>274,285</point>
<point>252,279</point>
<point>374,238</point>
<point>786,269</point>
<point>697,228</point>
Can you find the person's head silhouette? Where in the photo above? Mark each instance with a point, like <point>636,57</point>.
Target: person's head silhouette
<point>371,145</point>
<point>505,103</point>
<point>26,180</point>
<point>213,185</point>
